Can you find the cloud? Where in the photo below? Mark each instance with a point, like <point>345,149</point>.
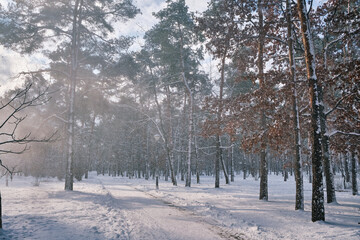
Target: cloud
<point>143,22</point>
<point>12,63</point>
<point>197,5</point>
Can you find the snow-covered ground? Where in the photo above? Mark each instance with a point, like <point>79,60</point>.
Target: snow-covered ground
<point>103,207</point>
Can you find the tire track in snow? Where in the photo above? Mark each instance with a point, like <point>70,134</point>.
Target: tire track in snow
<point>153,218</point>
<point>114,214</point>
<point>129,218</point>
<point>211,224</point>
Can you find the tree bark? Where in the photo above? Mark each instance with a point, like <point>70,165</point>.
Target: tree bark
<point>190,137</point>
<point>75,41</point>
<point>169,144</point>
<point>217,161</point>
<point>318,211</point>
<point>329,176</point>
<point>219,117</point>
<point>232,171</point>
<point>353,174</point>
<point>346,166</point>
<point>196,155</point>
<point>226,175</point>
<point>299,196</point>
<point>88,162</point>
<point>191,110</point>
<point>328,171</point>
<point>147,154</point>
<point>260,64</point>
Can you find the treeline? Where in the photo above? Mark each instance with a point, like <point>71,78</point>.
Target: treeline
<point>284,95</point>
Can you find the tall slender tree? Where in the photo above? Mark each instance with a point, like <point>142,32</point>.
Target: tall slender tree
<point>299,198</point>
<point>175,42</point>
<point>318,211</point>
<point>219,20</point>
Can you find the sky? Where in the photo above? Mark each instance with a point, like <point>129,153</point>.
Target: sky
<point>144,21</point>
<point>12,63</point>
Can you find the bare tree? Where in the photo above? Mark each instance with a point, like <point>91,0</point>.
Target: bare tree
<point>11,110</point>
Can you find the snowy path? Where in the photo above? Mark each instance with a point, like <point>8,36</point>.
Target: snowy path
<point>236,207</point>
<point>150,218</point>
<point>97,209</point>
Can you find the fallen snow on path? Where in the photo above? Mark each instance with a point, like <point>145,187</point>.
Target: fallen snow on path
<point>103,207</point>
<point>237,208</point>
<point>99,208</point>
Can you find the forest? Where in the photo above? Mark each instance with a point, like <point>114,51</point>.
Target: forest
<point>281,95</point>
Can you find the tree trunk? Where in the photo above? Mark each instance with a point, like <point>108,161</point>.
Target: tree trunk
<point>226,175</point>
<point>162,132</point>
<point>178,164</point>
<point>75,42</point>
<point>217,162</point>
<point>329,176</point>
<point>346,168</point>
<point>263,177</point>
<point>299,196</point>
<point>191,109</point>
<point>353,174</point>
<point>260,62</point>
<point>219,155</point>
<point>318,211</point>
<point>286,175</point>
<point>342,170</point>
<point>156,167</point>
<point>169,145</point>
<point>88,162</point>
<point>232,172</point>
<point>310,173</point>
<point>190,137</point>
<point>166,173</point>
<point>244,169</point>
<point>147,154</point>
<point>196,155</point>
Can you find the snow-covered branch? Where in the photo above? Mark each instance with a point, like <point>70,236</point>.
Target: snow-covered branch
<point>355,134</point>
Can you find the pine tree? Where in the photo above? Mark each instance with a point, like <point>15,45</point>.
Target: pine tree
<point>299,198</point>
<point>318,211</point>
<point>172,40</point>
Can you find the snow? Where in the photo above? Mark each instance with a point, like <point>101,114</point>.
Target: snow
<point>103,207</point>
